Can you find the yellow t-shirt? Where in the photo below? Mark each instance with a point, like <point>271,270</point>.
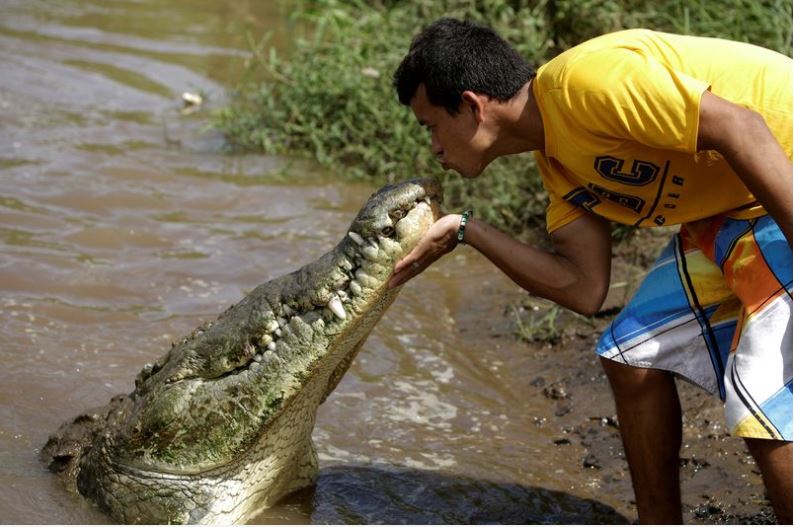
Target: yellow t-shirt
<point>620,114</point>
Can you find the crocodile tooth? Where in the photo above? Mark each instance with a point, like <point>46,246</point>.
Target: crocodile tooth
<point>370,252</point>
<point>271,325</point>
<point>281,321</point>
<point>266,339</point>
<point>287,310</point>
<point>335,305</point>
<point>426,200</point>
<point>258,357</point>
<point>277,332</point>
<point>356,237</point>
<point>391,247</point>
<point>271,346</point>
<point>342,296</point>
<point>339,277</point>
<point>355,288</point>
<point>365,280</point>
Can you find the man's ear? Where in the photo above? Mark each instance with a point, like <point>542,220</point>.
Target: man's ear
<point>475,103</point>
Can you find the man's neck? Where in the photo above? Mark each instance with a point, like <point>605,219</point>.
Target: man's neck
<point>521,125</point>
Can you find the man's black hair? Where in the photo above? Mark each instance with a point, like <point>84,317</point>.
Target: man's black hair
<point>451,56</point>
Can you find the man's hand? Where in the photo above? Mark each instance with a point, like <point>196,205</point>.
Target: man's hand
<point>440,239</point>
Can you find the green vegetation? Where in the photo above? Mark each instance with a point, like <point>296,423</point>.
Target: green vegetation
<point>544,327</point>
<point>332,99</point>
<point>541,321</point>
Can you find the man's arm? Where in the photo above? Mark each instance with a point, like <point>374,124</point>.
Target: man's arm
<point>745,141</point>
<point>575,274</point>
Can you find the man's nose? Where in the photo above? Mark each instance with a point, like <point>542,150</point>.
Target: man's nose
<point>435,146</point>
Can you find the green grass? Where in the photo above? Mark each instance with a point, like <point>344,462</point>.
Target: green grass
<point>332,99</point>
<point>543,327</point>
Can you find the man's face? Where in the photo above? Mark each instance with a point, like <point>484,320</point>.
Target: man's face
<point>457,141</point>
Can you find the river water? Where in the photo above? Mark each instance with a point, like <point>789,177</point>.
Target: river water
<point>123,225</point>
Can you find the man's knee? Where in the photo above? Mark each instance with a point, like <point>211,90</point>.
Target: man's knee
<point>771,454</point>
<point>630,383</point>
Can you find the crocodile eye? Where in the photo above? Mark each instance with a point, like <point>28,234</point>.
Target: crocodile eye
<point>397,214</point>
<point>387,231</point>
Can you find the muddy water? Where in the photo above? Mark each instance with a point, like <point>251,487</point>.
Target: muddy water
<point>123,225</point>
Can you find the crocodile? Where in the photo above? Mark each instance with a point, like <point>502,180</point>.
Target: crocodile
<point>219,428</point>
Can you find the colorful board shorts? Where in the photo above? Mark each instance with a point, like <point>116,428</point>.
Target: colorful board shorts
<point>716,310</point>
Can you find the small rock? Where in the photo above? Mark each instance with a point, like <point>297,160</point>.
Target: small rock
<point>706,510</point>
<point>191,99</point>
<point>590,461</point>
<point>556,391</point>
<point>695,463</point>
<point>609,421</point>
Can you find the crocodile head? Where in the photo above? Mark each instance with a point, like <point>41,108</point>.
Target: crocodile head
<point>220,426</point>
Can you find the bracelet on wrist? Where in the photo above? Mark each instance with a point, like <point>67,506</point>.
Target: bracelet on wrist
<point>464,219</point>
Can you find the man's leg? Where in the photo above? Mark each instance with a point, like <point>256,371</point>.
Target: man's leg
<point>649,413</point>
<point>774,459</point>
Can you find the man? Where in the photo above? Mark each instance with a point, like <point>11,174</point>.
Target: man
<point>642,128</point>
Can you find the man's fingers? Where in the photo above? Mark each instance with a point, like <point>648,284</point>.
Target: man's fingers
<point>409,260</point>
<point>408,269</point>
<point>402,264</point>
<point>434,244</point>
<point>398,279</point>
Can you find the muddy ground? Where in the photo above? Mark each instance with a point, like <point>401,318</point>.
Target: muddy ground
<point>719,479</point>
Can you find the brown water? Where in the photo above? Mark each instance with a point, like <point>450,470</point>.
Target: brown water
<point>122,226</point>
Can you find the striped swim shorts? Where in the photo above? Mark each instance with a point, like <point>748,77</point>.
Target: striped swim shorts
<point>715,309</point>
